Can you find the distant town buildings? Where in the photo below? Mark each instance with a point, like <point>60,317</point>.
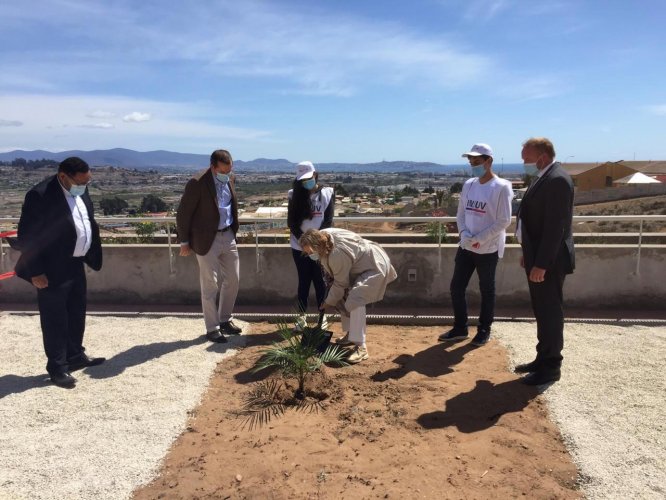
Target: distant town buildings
<point>589,176</point>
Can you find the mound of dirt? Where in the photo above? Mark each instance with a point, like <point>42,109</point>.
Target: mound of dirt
<point>433,421</point>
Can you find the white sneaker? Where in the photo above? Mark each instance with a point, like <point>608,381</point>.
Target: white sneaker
<point>358,354</point>
<point>324,323</point>
<point>301,323</point>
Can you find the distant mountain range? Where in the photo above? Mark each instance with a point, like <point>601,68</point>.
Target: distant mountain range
<point>168,160</point>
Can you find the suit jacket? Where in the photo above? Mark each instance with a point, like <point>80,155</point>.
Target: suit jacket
<point>47,235</point>
<point>198,216</point>
<point>546,213</point>
<point>358,266</point>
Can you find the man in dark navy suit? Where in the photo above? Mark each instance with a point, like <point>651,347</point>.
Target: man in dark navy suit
<point>57,234</point>
<point>544,232</point>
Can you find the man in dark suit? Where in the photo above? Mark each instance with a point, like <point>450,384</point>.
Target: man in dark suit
<point>544,232</point>
<point>57,234</point>
<point>207,221</point>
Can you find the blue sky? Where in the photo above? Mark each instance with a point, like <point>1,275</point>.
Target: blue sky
<point>347,81</point>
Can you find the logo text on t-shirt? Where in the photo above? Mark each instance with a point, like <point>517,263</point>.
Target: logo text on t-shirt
<point>478,207</point>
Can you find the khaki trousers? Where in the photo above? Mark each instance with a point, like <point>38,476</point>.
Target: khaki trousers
<point>219,272</point>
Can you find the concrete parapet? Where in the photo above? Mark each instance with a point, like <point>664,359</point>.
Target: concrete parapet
<point>145,274</point>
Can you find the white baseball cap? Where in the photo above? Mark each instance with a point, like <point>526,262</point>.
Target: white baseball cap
<point>304,170</point>
<point>478,150</point>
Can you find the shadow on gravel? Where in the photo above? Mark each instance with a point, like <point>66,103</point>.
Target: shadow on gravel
<point>481,407</point>
<point>141,353</point>
<point>431,362</point>
<point>16,384</point>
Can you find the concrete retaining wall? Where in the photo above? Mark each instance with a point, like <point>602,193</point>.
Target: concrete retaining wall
<point>618,193</point>
<point>140,274</point>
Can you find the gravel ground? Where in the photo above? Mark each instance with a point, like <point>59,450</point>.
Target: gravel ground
<point>610,404</point>
<point>109,434</point>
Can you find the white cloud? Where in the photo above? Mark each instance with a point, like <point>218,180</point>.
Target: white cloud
<point>657,109</point>
<point>184,126</point>
<point>136,116</point>
<point>101,114</point>
<point>313,51</point>
<point>10,123</point>
<point>99,125</point>
<point>483,11</point>
<point>532,88</point>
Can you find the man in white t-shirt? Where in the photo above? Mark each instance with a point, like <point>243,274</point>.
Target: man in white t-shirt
<point>484,213</point>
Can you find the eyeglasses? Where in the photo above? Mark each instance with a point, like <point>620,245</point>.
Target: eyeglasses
<point>77,184</point>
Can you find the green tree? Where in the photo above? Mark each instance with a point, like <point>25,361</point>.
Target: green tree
<point>145,231</point>
<point>456,187</point>
<point>439,198</point>
<point>340,190</point>
<point>436,231</point>
<point>410,191</point>
<point>152,204</point>
<point>112,206</point>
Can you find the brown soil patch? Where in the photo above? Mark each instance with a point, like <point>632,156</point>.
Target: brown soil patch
<point>433,421</point>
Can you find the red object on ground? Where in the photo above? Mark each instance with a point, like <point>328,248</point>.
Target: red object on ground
<point>8,233</point>
<point>6,276</point>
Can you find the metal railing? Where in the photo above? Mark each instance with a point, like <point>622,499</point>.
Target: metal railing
<point>169,222</point>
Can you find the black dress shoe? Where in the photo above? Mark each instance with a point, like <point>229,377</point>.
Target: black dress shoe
<point>216,336</point>
<point>64,380</point>
<point>527,367</point>
<point>84,361</point>
<point>542,377</point>
<point>229,328</point>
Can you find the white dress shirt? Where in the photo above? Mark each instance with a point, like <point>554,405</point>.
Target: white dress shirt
<point>224,204</point>
<point>81,223</point>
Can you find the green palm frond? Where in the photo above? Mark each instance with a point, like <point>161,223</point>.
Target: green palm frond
<point>262,404</point>
<point>299,355</point>
<point>334,355</point>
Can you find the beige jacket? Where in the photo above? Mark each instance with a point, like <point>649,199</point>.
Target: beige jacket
<point>361,270</point>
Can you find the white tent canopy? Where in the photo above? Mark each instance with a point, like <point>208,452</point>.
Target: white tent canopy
<point>637,178</point>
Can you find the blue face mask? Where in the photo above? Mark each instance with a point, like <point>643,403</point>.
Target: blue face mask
<point>314,256</point>
<point>77,190</point>
<point>531,168</point>
<point>309,184</point>
<point>478,171</point>
<point>223,178</point>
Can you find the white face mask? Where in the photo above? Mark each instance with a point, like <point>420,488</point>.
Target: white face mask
<point>223,178</point>
<point>309,184</point>
<point>531,168</point>
<point>478,170</point>
<point>314,256</point>
<point>77,190</point>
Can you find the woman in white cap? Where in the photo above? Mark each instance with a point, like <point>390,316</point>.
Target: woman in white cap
<point>311,206</point>
<point>360,269</point>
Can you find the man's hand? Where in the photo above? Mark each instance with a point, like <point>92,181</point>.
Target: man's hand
<point>185,250</point>
<point>537,275</point>
<point>40,281</point>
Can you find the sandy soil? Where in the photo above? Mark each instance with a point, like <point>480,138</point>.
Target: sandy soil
<point>435,421</point>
